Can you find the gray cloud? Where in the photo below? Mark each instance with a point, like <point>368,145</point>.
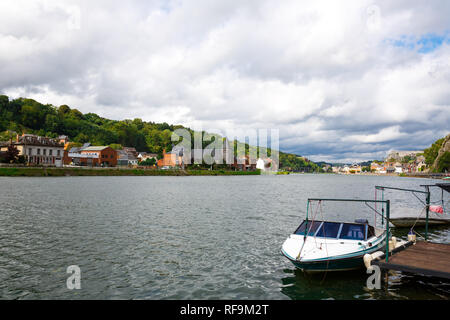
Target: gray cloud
<point>335,78</point>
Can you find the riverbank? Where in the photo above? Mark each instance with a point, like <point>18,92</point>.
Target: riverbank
<point>426,175</point>
<point>68,172</point>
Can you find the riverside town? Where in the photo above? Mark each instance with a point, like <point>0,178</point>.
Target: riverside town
<point>225,159</point>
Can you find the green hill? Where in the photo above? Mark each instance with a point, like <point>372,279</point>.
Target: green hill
<point>29,116</point>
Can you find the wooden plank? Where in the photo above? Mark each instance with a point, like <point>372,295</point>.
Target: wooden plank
<point>410,269</point>
<point>423,258</point>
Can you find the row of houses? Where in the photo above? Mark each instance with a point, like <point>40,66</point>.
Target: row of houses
<point>178,158</point>
<point>393,164</point>
<point>43,151</point>
<point>347,169</point>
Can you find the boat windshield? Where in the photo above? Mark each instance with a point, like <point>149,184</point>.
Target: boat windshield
<point>329,230</point>
<point>312,227</point>
<point>353,231</point>
<point>336,230</point>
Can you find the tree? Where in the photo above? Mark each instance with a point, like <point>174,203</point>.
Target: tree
<point>407,159</point>
<point>150,162</point>
<point>81,138</point>
<point>116,146</point>
<point>63,109</point>
<point>443,164</point>
<point>7,135</point>
<point>12,154</point>
<point>431,153</point>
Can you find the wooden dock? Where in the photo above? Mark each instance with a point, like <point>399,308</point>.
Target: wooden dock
<point>425,258</point>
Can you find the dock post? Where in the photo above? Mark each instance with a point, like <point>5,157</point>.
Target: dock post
<point>382,207</point>
<point>427,211</point>
<point>388,208</point>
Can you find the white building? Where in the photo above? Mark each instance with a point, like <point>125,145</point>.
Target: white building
<point>39,150</point>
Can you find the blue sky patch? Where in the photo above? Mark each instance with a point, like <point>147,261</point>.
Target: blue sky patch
<point>424,44</point>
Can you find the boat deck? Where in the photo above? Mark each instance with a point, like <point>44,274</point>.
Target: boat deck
<point>425,258</point>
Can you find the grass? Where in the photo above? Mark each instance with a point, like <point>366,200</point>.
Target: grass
<point>63,172</point>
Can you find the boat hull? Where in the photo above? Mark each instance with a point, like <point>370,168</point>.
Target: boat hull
<point>334,265</point>
<point>337,263</point>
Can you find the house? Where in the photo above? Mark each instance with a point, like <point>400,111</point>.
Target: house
<point>101,156</point>
<point>375,167</point>
<point>263,164</point>
<point>126,159</point>
<point>390,169</point>
<point>73,155</point>
<point>142,156</point>
<point>93,156</point>
<point>38,150</point>
<point>244,163</point>
<point>345,169</point>
<point>130,151</point>
<point>398,167</point>
<point>420,163</point>
<point>355,169</point>
<point>171,159</point>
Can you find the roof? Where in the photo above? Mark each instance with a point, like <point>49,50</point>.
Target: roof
<point>98,148</point>
<point>34,140</point>
<point>126,156</point>
<point>146,154</point>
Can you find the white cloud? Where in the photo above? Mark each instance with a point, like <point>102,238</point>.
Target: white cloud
<point>329,75</point>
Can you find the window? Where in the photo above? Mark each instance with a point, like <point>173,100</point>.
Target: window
<point>44,152</point>
<point>329,230</point>
<point>38,151</point>
<point>312,227</point>
<point>353,231</point>
<point>50,152</point>
<point>59,153</point>
<point>30,152</point>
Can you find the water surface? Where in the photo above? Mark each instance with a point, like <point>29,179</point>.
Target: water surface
<point>184,237</point>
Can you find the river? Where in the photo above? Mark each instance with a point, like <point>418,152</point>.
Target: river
<point>185,237</point>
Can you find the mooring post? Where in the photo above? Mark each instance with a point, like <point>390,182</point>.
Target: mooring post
<point>388,208</point>
<point>382,207</point>
<point>428,211</point>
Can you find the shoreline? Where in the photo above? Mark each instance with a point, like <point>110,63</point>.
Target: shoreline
<point>75,172</point>
<point>87,171</point>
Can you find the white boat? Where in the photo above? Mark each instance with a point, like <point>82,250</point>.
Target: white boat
<point>332,246</point>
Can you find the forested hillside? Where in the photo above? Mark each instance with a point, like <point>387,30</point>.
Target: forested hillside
<point>29,116</point>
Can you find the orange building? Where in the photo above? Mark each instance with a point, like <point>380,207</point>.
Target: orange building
<point>171,159</point>
<point>99,156</point>
<point>92,156</point>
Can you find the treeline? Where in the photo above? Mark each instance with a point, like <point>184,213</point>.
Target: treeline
<point>29,116</point>
<point>437,156</point>
<point>292,162</point>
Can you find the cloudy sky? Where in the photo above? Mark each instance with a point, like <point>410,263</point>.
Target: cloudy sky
<point>341,80</point>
